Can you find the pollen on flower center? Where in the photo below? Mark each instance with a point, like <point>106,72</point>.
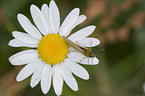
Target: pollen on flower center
<point>52,49</point>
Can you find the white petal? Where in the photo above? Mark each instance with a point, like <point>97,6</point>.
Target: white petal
<point>28,27</point>
<point>80,19</point>
<point>72,49</point>
<point>36,77</point>
<point>17,43</point>
<point>28,70</point>
<point>80,58</point>
<point>75,56</point>
<point>26,38</point>
<point>46,78</point>
<point>45,11</point>
<point>68,77</point>
<point>69,22</point>
<point>77,69</point>
<point>57,79</point>
<point>83,33</point>
<point>39,19</point>
<point>54,16</point>
<point>24,57</point>
<point>89,61</point>
<point>89,42</point>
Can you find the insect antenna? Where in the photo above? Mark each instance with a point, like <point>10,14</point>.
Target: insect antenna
<point>77,42</point>
<point>102,49</point>
<point>91,58</point>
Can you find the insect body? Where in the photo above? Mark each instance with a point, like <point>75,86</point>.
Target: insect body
<point>84,50</point>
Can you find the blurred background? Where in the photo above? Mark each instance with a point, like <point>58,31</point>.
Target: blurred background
<point>121,30</point>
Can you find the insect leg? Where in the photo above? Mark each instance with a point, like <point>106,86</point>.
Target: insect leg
<point>90,48</point>
<point>77,42</point>
<point>82,59</point>
<point>91,44</point>
<point>74,50</point>
<point>92,60</point>
<point>88,61</point>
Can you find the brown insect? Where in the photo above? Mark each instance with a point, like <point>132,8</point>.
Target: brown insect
<point>84,50</point>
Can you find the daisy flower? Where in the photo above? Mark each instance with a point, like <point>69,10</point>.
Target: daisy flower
<point>50,57</point>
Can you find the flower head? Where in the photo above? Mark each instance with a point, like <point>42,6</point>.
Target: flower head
<point>51,56</point>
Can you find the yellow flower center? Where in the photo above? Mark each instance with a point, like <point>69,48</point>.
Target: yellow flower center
<point>52,49</point>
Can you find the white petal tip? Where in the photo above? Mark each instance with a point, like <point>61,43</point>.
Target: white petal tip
<point>84,16</point>
<point>98,42</point>
<point>9,43</point>
<point>44,91</point>
<point>11,61</point>
<point>18,79</point>
<point>19,15</point>
<point>12,43</point>
<point>51,0</point>
<point>32,6</point>
<point>87,78</point>
<point>93,27</point>
<point>43,6</point>
<point>59,93</point>
<point>77,9</point>
<point>96,62</point>
<point>76,89</point>
<point>32,85</point>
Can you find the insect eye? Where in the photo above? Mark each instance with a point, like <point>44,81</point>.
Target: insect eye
<point>90,56</point>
